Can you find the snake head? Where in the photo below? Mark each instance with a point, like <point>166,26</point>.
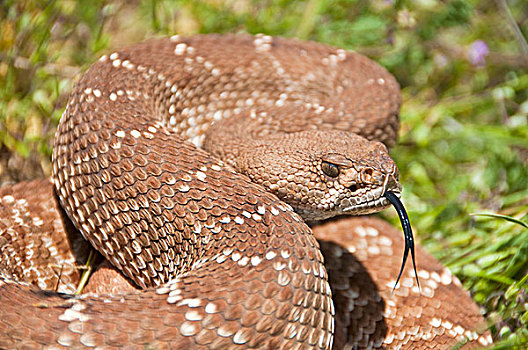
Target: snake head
<point>357,185</point>
<point>322,174</point>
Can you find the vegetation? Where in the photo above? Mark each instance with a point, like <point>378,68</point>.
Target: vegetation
<point>462,66</point>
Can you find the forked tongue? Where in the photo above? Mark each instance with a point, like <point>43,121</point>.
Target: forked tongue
<point>407,232</point>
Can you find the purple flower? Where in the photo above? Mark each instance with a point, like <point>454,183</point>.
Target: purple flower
<point>478,50</point>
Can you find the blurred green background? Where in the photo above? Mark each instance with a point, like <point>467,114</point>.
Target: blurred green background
<point>462,66</point>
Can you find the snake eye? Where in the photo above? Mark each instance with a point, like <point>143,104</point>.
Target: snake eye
<point>330,169</point>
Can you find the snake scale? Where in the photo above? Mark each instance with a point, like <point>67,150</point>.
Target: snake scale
<point>147,166</point>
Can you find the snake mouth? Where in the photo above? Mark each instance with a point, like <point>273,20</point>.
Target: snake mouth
<point>367,207</point>
<point>376,197</point>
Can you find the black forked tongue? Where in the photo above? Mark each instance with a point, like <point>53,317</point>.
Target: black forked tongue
<point>407,232</point>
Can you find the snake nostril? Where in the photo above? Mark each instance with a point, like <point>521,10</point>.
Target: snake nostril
<point>353,188</point>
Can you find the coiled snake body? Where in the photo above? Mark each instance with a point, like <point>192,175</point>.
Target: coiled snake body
<point>224,262</point>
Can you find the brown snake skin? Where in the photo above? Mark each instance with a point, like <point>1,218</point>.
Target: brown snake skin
<point>222,262</point>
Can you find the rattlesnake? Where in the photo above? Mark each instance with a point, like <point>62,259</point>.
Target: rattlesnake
<point>224,262</point>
